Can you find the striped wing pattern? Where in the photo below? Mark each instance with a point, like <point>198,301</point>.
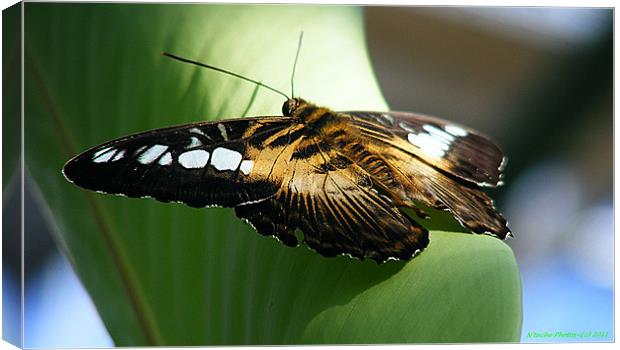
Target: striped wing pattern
<point>438,164</point>
<point>343,179</point>
<point>335,203</point>
<point>448,147</point>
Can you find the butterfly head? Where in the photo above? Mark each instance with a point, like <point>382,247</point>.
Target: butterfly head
<point>293,104</point>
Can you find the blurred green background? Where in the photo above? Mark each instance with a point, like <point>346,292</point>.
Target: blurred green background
<point>537,80</point>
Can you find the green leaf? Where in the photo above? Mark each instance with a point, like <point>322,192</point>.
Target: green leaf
<point>459,290</point>
<point>11,103</point>
<point>168,274</point>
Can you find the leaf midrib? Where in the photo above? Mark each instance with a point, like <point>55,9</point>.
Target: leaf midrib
<point>130,283</point>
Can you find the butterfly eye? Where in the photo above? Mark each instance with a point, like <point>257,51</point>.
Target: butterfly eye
<point>288,107</point>
<point>291,105</point>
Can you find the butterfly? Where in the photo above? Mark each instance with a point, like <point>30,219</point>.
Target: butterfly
<point>344,179</point>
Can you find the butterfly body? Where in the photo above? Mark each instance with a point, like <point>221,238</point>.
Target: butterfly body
<point>342,178</point>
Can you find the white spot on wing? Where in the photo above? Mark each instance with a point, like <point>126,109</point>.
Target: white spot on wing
<point>246,166</point>
<point>388,117</point>
<point>428,144</point>
<point>166,159</point>
<point>195,143</point>
<point>406,127</point>
<point>101,151</point>
<point>194,159</point>
<point>104,156</point>
<point>225,159</point>
<point>119,155</point>
<point>151,154</point>
<point>223,131</point>
<point>444,136</point>
<point>195,130</point>
<point>139,150</point>
<point>455,130</point>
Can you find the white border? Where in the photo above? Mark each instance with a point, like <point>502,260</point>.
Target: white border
<point>539,3</point>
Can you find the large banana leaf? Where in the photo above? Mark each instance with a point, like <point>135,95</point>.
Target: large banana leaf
<point>11,103</point>
<point>168,274</point>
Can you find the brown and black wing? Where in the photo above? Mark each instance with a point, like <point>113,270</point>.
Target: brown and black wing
<point>220,163</point>
<point>342,180</point>
<point>337,206</point>
<point>276,176</point>
<point>449,147</point>
<point>436,163</point>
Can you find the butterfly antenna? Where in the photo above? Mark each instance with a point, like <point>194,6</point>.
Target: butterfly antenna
<point>223,71</point>
<point>301,37</point>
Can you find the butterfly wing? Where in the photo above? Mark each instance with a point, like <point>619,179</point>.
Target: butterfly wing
<point>448,147</point>
<point>342,180</point>
<point>337,206</point>
<point>430,161</point>
<point>201,164</point>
